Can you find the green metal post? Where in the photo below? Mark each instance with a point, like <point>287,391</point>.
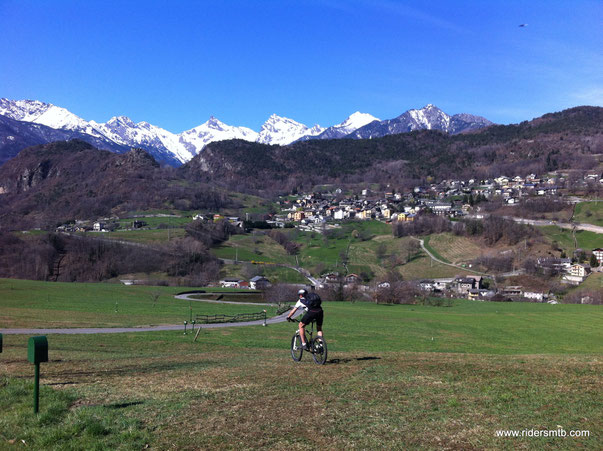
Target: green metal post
<point>37,388</point>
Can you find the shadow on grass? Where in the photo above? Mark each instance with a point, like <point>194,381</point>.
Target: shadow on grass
<point>358,359</point>
<point>123,404</point>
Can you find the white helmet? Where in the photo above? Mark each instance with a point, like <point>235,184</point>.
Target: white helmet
<point>302,291</point>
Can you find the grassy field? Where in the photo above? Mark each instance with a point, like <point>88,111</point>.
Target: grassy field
<point>589,212</point>
<point>315,248</point>
<point>428,245</point>
<point>39,304</point>
<point>156,221</point>
<point>586,240</point>
<point>150,236</point>
<point>593,282</point>
<point>398,377</point>
<point>276,274</point>
<point>454,249</point>
<point>254,247</point>
<point>371,249</point>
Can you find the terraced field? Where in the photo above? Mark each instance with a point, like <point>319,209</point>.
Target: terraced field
<point>455,249</point>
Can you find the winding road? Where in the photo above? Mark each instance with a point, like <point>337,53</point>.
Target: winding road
<point>120,330</point>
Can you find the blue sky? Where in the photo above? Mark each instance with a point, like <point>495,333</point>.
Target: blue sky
<point>175,63</point>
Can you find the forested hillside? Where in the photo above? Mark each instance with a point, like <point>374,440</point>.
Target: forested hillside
<point>571,139</point>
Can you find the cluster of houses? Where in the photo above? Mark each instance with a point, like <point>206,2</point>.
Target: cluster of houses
<point>467,286</point>
<point>110,224</point>
<point>255,283</point>
<point>321,211</point>
<point>572,273</point>
<point>318,211</point>
<point>471,287</point>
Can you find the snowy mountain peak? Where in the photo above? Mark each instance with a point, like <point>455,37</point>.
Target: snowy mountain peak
<point>120,132</point>
<point>351,124</point>
<point>23,110</point>
<point>215,123</point>
<point>283,131</point>
<point>41,113</point>
<point>276,118</point>
<point>357,120</point>
<point>121,120</point>
<point>430,117</point>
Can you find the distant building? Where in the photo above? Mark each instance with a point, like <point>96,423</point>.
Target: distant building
<point>511,291</point>
<point>539,296</point>
<point>464,284</point>
<point>231,283</point>
<point>259,283</point>
<point>578,270</point>
<point>352,279</point>
<point>427,285</point>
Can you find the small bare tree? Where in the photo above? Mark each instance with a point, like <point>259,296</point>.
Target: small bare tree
<point>154,296</point>
<point>281,293</point>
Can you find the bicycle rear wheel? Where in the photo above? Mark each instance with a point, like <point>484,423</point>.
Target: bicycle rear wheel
<point>319,348</point>
<point>297,349</point>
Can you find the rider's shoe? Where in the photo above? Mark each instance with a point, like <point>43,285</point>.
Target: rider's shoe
<point>306,346</point>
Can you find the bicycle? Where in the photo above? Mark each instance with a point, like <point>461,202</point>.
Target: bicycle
<point>318,346</point>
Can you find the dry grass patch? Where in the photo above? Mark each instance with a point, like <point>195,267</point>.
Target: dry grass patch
<point>456,249</point>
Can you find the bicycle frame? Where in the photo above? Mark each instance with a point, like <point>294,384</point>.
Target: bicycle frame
<point>316,346</point>
<point>307,332</point>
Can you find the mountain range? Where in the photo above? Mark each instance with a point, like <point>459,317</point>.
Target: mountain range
<point>30,122</point>
<point>48,184</point>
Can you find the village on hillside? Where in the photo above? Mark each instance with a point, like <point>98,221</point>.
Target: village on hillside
<point>326,209</point>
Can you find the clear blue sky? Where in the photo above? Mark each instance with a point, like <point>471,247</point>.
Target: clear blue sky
<point>175,63</point>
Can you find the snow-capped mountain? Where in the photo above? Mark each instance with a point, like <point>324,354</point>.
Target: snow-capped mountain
<point>213,130</point>
<point>121,133</point>
<point>124,131</point>
<point>283,131</point>
<point>351,124</point>
<point>44,114</point>
<point>429,117</point>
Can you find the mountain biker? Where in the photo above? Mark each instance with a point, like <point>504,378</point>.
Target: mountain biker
<point>311,303</point>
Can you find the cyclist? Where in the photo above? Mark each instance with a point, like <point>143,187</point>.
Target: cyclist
<point>311,303</point>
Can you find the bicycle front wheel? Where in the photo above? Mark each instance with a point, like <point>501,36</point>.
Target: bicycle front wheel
<point>319,350</point>
<point>297,348</point>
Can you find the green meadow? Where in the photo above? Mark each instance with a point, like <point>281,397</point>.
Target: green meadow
<point>35,304</point>
<point>397,376</point>
<point>584,239</point>
<point>589,213</point>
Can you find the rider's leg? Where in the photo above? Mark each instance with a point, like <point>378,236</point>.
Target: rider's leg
<point>302,332</point>
<point>319,321</point>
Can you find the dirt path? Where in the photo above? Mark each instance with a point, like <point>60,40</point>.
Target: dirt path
<point>491,276</point>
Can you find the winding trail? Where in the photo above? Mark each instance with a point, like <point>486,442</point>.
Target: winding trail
<point>517,272</point>
<point>120,330</point>
<point>433,257</point>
